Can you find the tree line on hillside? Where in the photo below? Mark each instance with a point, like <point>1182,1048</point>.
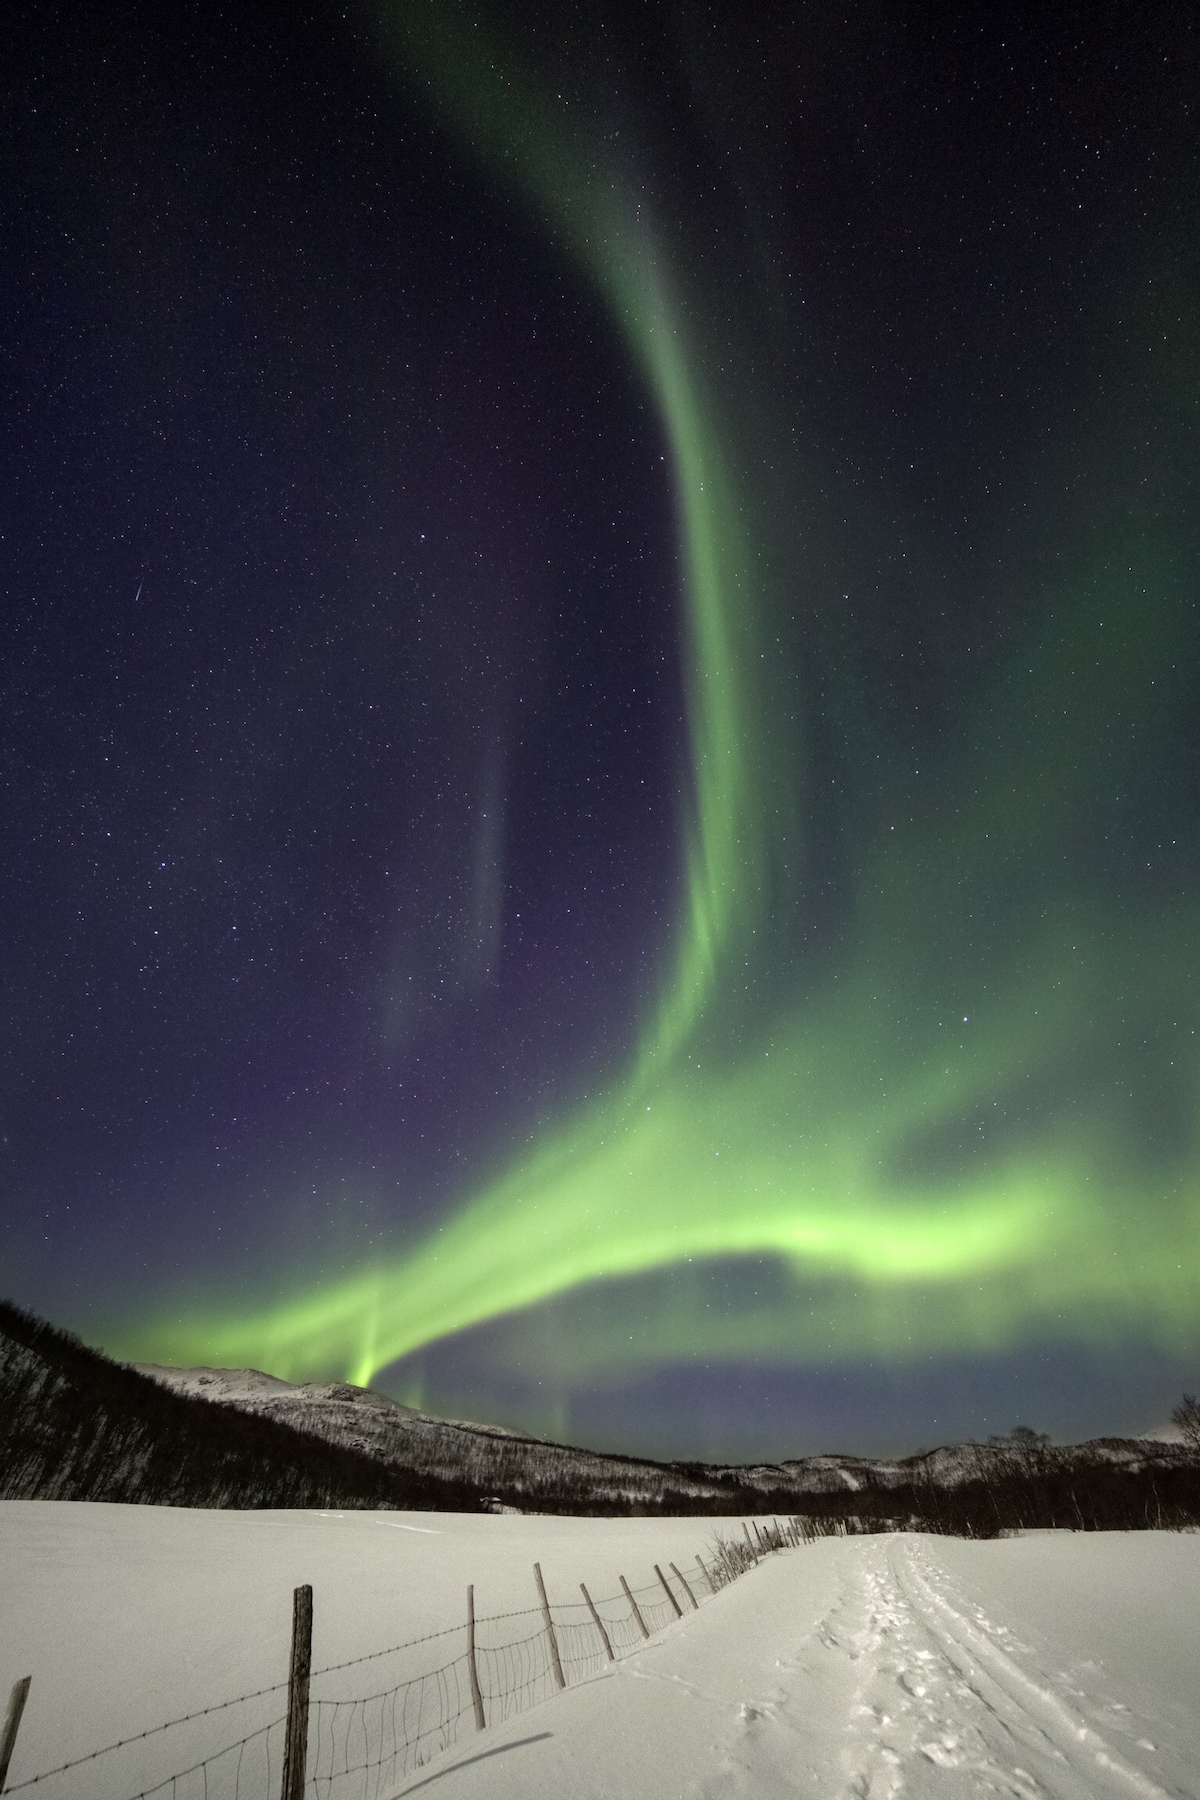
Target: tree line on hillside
<point>75,1425</point>
<point>1092,1496</point>
<point>1018,1482</point>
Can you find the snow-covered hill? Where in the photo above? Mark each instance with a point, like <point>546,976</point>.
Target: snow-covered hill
<point>76,1426</point>
<point>492,1459</point>
<point>1163,1434</point>
<point>487,1456</point>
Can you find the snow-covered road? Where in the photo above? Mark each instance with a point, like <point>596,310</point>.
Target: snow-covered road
<point>1055,1665</point>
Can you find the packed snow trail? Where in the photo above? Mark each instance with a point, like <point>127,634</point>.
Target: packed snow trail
<point>941,1688</point>
<point>866,1668</point>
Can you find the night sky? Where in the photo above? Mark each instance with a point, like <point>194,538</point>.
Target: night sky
<point>600,747</point>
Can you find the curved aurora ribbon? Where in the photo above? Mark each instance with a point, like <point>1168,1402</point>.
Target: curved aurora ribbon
<point>843,1136</point>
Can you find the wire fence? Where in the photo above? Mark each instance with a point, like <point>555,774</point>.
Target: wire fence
<point>360,1745</point>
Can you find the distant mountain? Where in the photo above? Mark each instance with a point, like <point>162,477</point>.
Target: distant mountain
<point>503,1466</point>
<point>76,1426</point>
<point>530,1472</point>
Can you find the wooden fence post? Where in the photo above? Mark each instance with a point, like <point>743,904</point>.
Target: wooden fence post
<point>559,1677</point>
<point>476,1695</point>
<point>712,1586</point>
<point>750,1546</point>
<point>295,1747</point>
<point>668,1593</point>
<point>637,1611</point>
<point>598,1622</point>
<point>687,1590</point>
<point>12,1723</point>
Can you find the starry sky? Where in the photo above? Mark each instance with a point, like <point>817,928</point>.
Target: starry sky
<point>600,743</point>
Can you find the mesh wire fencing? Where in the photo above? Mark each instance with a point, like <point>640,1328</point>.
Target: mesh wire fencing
<point>420,1703</point>
<point>359,1749</point>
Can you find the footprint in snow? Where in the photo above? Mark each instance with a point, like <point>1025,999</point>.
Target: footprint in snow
<point>944,1752</point>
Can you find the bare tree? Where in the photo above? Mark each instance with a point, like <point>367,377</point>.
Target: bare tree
<point>1187,1416</point>
<point>1026,1451</point>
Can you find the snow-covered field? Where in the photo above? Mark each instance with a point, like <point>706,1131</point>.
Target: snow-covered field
<point>1048,1665</point>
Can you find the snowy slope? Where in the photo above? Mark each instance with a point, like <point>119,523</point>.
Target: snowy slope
<point>76,1426</point>
<point>1163,1434</point>
<point>361,1419</point>
<point>1050,1667</point>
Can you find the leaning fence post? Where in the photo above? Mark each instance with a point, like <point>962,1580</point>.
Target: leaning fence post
<point>598,1622</point>
<point>472,1669</point>
<point>712,1586</point>
<point>668,1593</point>
<point>559,1677</point>
<point>12,1723</point>
<point>295,1747</point>
<point>687,1590</point>
<point>637,1611</point>
<point>749,1545</point>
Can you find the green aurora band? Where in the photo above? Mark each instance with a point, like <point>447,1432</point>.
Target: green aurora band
<point>970,1123</point>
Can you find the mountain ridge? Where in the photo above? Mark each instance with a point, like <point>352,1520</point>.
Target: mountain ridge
<point>497,1459</point>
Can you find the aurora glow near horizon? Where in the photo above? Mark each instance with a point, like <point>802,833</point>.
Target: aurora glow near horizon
<point>971,1121</point>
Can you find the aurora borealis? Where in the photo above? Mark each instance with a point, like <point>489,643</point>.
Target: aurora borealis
<point>678,659</point>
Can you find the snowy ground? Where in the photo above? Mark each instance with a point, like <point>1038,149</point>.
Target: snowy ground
<point>1045,1666</point>
<point>1051,1665</point>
